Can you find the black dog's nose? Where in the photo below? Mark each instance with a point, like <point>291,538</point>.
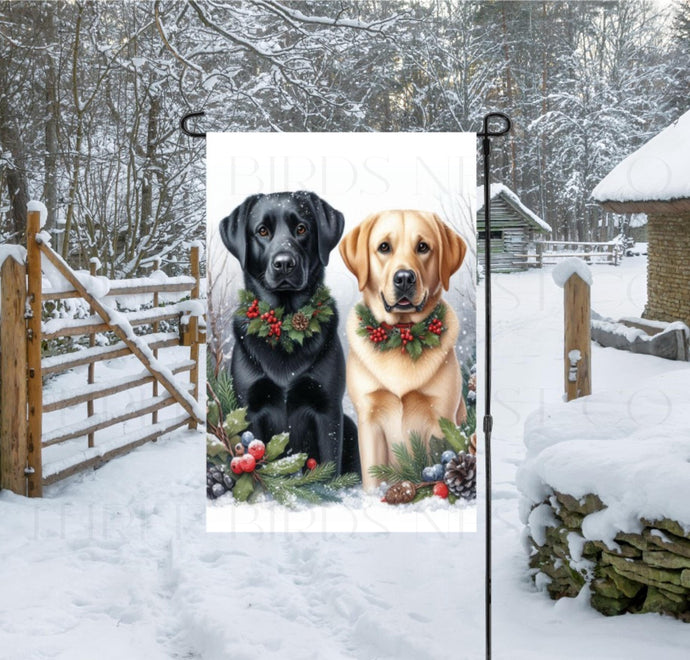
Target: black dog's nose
<point>284,263</point>
<point>404,279</point>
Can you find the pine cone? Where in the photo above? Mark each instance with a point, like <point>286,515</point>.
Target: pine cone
<point>400,493</point>
<point>300,321</point>
<point>461,476</point>
<point>217,482</point>
<point>473,444</point>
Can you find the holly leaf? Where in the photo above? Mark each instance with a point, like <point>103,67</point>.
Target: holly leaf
<point>314,325</point>
<point>264,330</point>
<point>432,339</point>
<point>284,466</point>
<point>418,328</point>
<point>264,307</point>
<point>455,437</point>
<point>235,422</point>
<point>215,447</point>
<point>395,340</point>
<point>414,348</point>
<point>297,336</point>
<point>246,297</point>
<point>254,326</point>
<point>437,446</point>
<point>244,487</point>
<point>325,312</point>
<point>212,413</point>
<point>276,446</point>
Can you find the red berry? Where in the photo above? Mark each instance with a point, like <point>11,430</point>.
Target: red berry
<point>248,463</point>
<point>236,465</point>
<point>311,463</point>
<point>441,490</point>
<point>257,449</point>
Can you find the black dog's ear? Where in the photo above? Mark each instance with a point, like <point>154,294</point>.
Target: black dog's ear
<point>330,223</point>
<point>233,229</point>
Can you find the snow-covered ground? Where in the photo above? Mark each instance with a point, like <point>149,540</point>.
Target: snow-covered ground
<point>116,564</point>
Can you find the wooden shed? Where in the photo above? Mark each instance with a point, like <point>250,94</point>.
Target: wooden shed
<point>655,180</point>
<point>514,229</point>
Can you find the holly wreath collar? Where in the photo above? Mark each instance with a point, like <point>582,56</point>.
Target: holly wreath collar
<point>410,338</point>
<point>285,330</point>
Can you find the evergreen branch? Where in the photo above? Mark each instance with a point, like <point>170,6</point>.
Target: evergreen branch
<point>420,454</point>
<point>388,473</point>
<point>346,480</point>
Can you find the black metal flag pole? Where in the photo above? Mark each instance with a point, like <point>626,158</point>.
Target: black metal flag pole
<point>486,136</point>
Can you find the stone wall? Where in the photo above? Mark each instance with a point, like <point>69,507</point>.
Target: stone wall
<point>648,572</point>
<point>668,277</point>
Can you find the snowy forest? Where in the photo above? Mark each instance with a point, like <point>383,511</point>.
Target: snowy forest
<point>91,95</point>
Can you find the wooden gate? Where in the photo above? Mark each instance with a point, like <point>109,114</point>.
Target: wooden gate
<point>22,334</point>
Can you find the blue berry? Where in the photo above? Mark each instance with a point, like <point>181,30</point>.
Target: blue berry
<point>246,438</point>
<point>438,471</point>
<point>428,474</point>
<point>447,456</point>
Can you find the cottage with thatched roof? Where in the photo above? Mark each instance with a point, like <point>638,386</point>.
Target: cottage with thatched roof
<point>514,229</point>
<point>655,180</point>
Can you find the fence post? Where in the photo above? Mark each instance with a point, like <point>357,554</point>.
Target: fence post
<point>155,328</point>
<point>33,353</point>
<point>13,431</point>
<point>194,326</point>
<point>92,365</point>
<point>578,342</point>
<point>540,254</point>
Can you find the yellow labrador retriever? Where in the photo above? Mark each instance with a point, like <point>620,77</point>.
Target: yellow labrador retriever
<point>402,371</point>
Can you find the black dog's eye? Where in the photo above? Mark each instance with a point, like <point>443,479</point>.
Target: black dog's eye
<point>422,247</point>
<point>301,229</point>
<point>263,231</point>
<point>384,247</point>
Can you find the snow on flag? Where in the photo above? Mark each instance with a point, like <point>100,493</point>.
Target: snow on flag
<point>342,322</point>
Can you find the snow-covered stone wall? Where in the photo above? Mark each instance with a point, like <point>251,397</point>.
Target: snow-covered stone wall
<point>605,489</point>
<point>668,278</point>
<point>646,571</point>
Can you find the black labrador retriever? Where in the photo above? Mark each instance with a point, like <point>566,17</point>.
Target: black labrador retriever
<point>283,241</point>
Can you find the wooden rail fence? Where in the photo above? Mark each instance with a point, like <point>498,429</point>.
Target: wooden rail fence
<point>23,368</point>
<point>550,252</point>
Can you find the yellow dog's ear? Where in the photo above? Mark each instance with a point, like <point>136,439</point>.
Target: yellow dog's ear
<point>354,249</point>
<point>452,251</point>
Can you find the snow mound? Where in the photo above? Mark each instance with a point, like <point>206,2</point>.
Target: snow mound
<point>571,266</point>
<point>10,251</point>
<point>34,205</point>
<point>629,447</point>
<point>657,171</point>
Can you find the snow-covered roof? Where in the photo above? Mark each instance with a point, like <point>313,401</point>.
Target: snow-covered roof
<point>498,189</point>
<point>657,171</point>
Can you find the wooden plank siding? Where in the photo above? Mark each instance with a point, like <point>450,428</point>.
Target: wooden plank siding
<point>517,235</point>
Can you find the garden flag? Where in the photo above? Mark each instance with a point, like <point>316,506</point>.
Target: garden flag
<point>341,332</point>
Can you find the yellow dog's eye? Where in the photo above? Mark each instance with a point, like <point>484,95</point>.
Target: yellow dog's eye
<point>422,247</point>
<point>263,231</point>
<point>384,247</point>
<point>301,229</point>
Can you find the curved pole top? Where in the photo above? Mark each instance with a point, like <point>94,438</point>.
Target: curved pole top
<point>186,118</point>
<point>487,132</point>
